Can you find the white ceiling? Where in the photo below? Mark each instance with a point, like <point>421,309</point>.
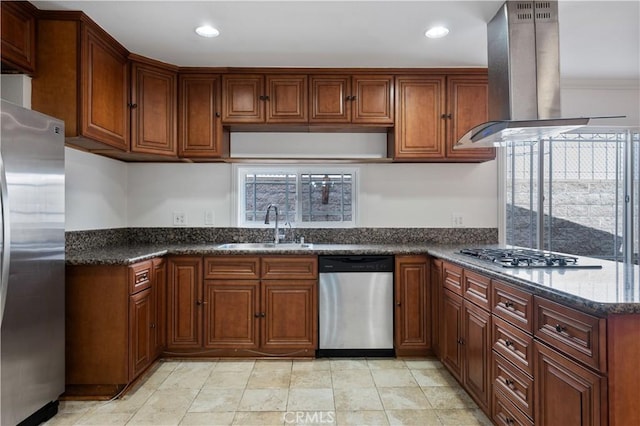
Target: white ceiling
<point>598,39</point>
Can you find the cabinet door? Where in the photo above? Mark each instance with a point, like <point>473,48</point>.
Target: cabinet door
<point>153,110</point>
<point>565,392</point>
<point>419,130</point>
<point>104,91</point>
<point>184,314</point>
<point>140,320</point>
<point>329,103</point>
<point>372,98</point>
<point>286,100</point>
<point>412,330</point>
<point>199,122</point>
<point>477,353</point>
<point>289,314</point>
<point>232,314</point>
<point>18,35</point>
<point>243,99</point>
<point>451,333</point>
<point>468,105</point>
<point>159,305</point>
<point>436,305</point>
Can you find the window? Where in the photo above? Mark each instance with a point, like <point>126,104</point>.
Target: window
<point>576,193</point>
<point>306,197</point>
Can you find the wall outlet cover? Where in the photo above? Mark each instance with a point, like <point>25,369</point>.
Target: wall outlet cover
<point>179,219</point>
<point>209,217</point>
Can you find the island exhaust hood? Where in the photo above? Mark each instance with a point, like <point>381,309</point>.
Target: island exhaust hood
<point>524,77</point>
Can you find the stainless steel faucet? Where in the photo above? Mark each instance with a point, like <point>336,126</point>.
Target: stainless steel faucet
<point>276,231</point>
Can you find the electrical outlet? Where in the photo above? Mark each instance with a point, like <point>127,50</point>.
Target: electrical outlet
<point>179,219</point>
<point>209,217</point>
<point>457,220</point>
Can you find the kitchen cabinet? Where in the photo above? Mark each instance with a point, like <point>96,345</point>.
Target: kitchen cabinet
<point>358,99</point>
<point>245,305</point>
<point>433,112</point>
<point>259,99</point>
<point>184,300</point>
<point>567,393</point>
<point>18,35</point>
<point>154,107</point>
<point>112,314</point>
<point>435,277</point>
<point>83,78</point>
<point>413,306</point>
<point>159,302</point>
<point>200,131</point>
<point>465,331</point>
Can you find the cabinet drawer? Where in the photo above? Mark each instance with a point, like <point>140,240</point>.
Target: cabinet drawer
<point>505,413</point>
<point>228,267</point>
<point>139,276</point>
<point>575,333</point>
<point>515,385</point>
<point>477,288</point>
<point>513,305</point>
<point>289,267</point>
<point>513,344</point>
<point>452,277</point>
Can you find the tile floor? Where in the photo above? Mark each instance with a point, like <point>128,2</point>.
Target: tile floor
<point>277,392</point>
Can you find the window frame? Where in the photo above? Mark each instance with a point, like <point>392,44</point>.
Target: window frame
<point>239,196</point>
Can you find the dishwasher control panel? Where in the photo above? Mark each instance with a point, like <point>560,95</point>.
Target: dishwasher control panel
<point>329,264</point>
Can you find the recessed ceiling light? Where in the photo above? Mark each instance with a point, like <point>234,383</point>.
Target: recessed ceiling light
<point>207,31</point>
<point>437,32</point>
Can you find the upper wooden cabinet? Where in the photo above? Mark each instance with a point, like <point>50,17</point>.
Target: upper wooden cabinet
<point>154,108</point>
<point>467,106</point>
<point>258,99</point>
<point>83,79</point>
<point>18,36</point>
<point>200,133</point>
<point>341,99</point>
<point>433,112</point>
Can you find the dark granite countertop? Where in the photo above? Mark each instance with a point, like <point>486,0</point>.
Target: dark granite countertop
<point>614,289</point>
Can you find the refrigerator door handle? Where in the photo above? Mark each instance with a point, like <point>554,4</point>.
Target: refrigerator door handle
<point>5,243</point>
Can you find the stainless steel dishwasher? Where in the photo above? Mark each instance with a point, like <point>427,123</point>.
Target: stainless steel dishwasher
<point>356,306</point>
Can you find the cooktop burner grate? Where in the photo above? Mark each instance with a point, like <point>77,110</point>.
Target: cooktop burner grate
<point>526,258</point>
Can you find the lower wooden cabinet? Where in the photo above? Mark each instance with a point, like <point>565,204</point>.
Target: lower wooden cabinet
<point>112,318</point>
<point>413,306</point>
<point>451,333</point>
<point>238,311</point>
<point>567,393</point>
<point>476,348</point>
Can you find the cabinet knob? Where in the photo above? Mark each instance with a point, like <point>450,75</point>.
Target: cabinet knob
<point>508,343</point>
<point>130,105</point>
<point>217,114</point>
<point>508,304</point>
<point>509,421</point>
<point>398,304</point>
<point>153,325</point>
<point>257,315</point>
<point>508,382</point>
<point>560,328</point>
<point>460,341</point>
<point>353,98</point>
<point>200,302</point>
<point>446,115</point>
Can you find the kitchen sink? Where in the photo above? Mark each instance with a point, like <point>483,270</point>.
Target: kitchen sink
<point>265,246</point>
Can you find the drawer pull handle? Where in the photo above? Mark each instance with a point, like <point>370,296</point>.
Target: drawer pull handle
<point>508,304</point>
<point>142,277</point>
<point>560,328</point>
<point>460,341</point>
<point>508,382</point>
<point>509,421</point>
<point>508,343</point>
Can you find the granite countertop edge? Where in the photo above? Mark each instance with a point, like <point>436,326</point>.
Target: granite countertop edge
<point>128,255</point>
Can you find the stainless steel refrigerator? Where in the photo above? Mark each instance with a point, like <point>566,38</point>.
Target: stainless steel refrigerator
<point>32,265</point>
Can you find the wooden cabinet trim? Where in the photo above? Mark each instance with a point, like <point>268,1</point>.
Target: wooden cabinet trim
<point>289,267</point>
<point>232,267</point>
<point>452,278</point>
<point>140,276</point>
<point>513,344</point>
<point>477,289</point>
<point>513,305</point>
<point>579,335</point>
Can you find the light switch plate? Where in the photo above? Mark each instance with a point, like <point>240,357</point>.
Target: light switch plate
<point>209,217</point>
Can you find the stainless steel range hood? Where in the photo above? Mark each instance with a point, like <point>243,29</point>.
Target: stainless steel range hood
<point>524,77</point>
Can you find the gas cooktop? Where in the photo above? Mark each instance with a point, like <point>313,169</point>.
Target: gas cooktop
<point>526,258</point>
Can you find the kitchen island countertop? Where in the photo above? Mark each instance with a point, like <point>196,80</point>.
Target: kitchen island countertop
<point>614,289</point>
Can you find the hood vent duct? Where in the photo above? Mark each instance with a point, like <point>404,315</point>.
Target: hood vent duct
<point>524,77</point>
